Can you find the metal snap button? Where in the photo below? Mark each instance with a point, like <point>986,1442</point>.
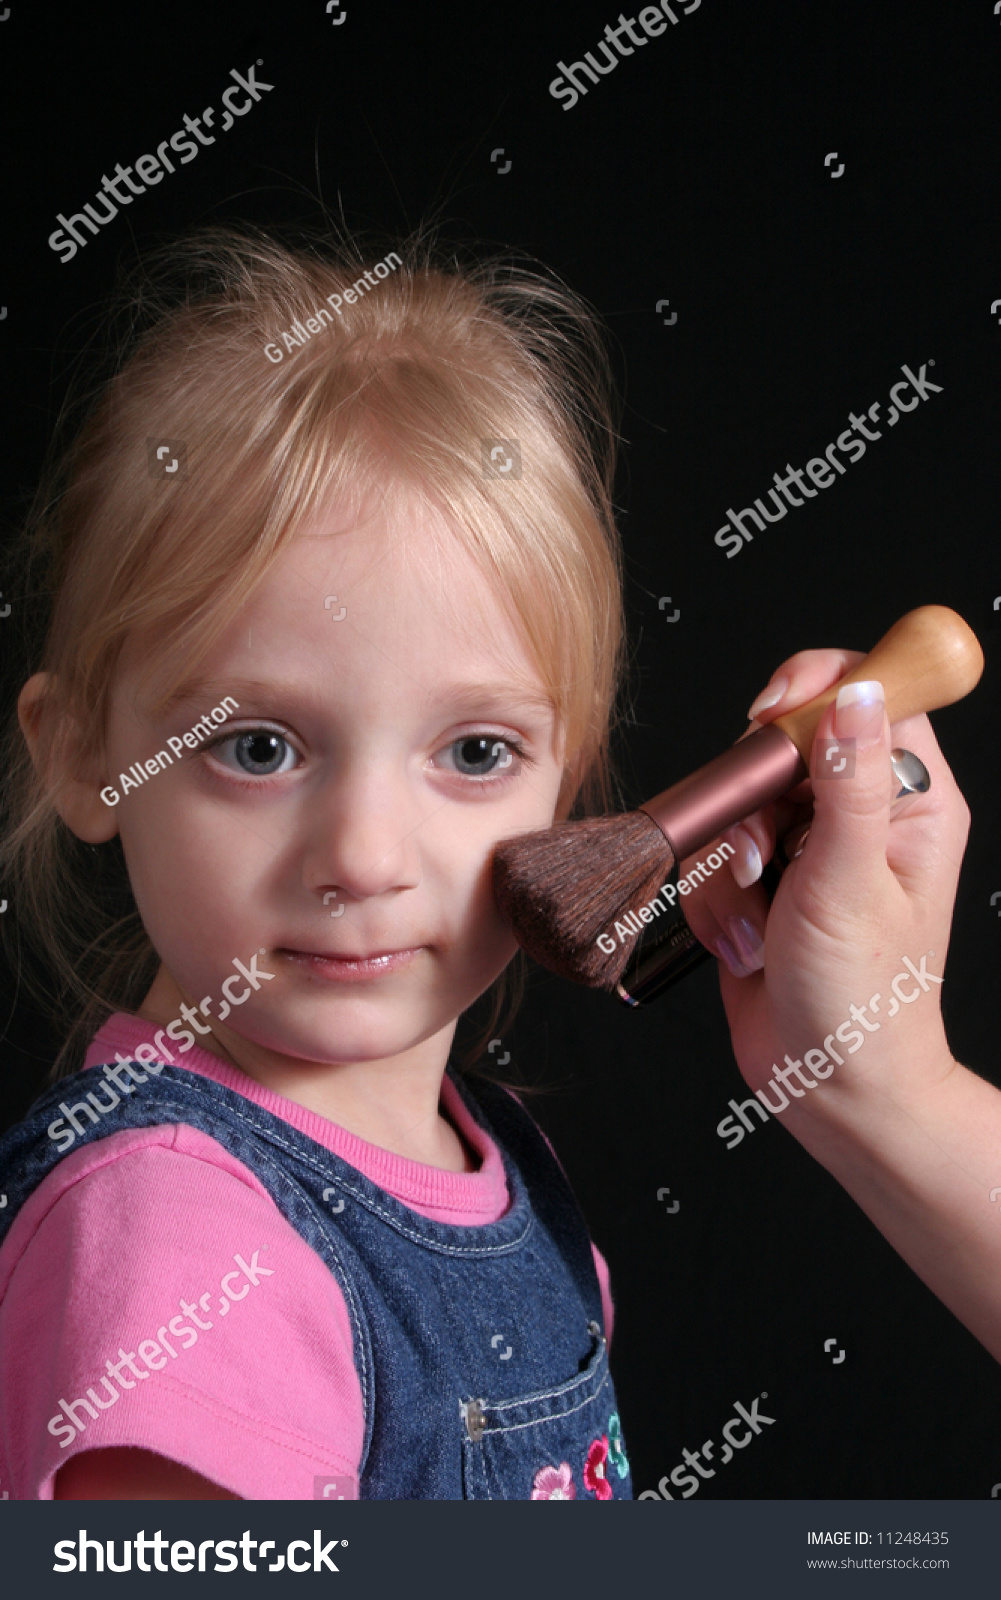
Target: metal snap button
<point>476,1422</point>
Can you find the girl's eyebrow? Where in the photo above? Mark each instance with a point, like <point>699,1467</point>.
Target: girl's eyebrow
<point>462,696</point>
<point>195,694</point>
<point>514,696</point>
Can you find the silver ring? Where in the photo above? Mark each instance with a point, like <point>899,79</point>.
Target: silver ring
<point>909,772</point>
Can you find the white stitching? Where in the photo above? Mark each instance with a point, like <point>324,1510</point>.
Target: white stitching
<point>546,1394</point>
<point>370,1205</point>
<point>554,1416</point>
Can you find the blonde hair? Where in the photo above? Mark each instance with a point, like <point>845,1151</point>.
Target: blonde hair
<point>397,392</point>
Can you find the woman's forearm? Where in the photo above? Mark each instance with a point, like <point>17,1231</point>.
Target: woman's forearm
<point>922,1167</point>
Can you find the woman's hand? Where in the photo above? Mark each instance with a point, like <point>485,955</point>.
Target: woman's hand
<point>844,988</point>
<point>866,893</point>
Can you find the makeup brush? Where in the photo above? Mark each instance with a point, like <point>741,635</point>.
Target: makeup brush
<point>562,887</point>
<point>662,956</point>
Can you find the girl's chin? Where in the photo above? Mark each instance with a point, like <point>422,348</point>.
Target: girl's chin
<point>305,1042</point>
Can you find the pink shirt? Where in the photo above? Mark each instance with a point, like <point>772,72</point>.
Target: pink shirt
<point>152,1294</point>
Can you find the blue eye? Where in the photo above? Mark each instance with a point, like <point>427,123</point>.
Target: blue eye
<point>480,755</point>
<point>260,752</point>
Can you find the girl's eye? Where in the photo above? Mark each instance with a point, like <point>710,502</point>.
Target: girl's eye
<point>479,755</point>
<point>260,753</point>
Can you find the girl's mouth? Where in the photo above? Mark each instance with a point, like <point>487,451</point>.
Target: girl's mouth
<point>350,968</point>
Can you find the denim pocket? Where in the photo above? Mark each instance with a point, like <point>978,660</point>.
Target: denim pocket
<point>553,1444</point>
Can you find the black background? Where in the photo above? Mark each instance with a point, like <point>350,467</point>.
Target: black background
<point>694,172</point>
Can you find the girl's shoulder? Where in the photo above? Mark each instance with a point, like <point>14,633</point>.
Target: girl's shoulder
<point>155,1255</point>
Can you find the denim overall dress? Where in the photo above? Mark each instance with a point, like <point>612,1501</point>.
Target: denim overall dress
<point>480,1351</point>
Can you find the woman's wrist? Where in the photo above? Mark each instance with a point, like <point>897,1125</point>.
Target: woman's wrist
<point>922,1162</point>
<point>861,1106</point>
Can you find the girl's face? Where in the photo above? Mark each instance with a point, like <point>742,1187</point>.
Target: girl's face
<point>350,805</point>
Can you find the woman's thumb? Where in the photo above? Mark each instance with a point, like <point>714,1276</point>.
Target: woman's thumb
<point>853,790</point>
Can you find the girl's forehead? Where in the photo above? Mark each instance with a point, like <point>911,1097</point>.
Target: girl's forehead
<point>410,561</point>
<point>365,598</point>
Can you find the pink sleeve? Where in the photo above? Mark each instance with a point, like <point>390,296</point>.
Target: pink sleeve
<point>600,1264</point>
<point>151,1294</point>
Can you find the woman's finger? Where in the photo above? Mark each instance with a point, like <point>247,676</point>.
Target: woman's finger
<point>726,915</point>
<point>799,679</point>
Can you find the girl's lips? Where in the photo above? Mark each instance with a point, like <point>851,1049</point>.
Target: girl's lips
<point>351,969</point>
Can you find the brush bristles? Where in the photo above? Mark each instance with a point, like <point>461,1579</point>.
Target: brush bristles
<point>561,887</point>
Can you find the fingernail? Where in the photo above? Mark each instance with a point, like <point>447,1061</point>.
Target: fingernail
<point>793,845</point>
<point>724,949</point>
<point>745,863</point>
<point>749,943</point>
<point>858,713</point>
<point>770,695</point>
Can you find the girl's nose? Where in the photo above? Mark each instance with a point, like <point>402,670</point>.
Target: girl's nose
<point>366,836</point>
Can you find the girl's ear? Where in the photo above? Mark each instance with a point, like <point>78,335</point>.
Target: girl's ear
<point>70,776</point>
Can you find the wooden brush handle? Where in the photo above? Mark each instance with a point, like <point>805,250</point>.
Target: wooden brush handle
<point>930,658</point>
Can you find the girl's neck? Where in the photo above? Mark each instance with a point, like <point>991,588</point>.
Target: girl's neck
<point>394,1104</point>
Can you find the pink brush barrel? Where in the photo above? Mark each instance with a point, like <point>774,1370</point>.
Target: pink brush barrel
<point>732,786</point>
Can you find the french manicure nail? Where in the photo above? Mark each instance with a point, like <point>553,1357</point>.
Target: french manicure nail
<point>749,943</point>
<point>745,863</point>
<point>770,695</point>
<point>858,713</point>
<point>724,949</point>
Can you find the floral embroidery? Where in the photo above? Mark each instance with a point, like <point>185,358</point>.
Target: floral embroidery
<point>594,1469</point>
<point>554,1483</point>
<point>616,1449</point>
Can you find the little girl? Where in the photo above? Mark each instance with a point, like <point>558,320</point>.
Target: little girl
<point>336,606</point>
